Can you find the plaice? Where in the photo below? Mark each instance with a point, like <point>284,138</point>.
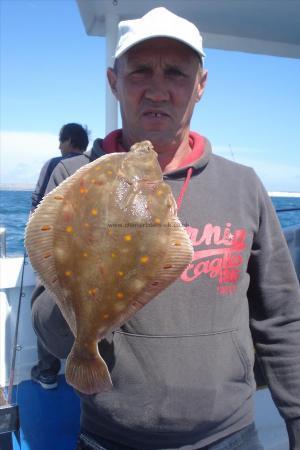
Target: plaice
<point>105,242</point>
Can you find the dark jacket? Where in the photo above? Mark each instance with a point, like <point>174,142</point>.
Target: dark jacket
<point>44,177</point>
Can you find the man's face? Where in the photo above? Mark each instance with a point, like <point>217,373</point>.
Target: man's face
<point>157,84</point>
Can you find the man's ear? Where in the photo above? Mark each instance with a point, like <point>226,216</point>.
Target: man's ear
<point>201,85</point>
<point>112,80</point>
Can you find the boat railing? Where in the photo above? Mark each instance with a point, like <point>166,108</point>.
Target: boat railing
<point>12,288</point>
<point>292,236</point>
<point>2,242</point>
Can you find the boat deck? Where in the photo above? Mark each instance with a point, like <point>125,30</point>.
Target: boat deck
<point>50,419</point>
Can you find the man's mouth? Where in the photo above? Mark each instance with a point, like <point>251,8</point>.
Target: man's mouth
<point>155,114</point>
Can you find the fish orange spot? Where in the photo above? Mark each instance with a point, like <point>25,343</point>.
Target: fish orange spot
<point>113,255</point>
<point>120,295</point>
<point>94,212</point>
<point>105,316</point>
<point>69,229</point>
<point>45,228</point>
<point>144,259</point>
<point>110,232</point>
<point>98,168</point>
<point>120,273</point>
<point>92,291</point>
<point>58,197</point>
<point>159,192</point>
<point>127,237</point>
<point>177,243</point>
<point>157,220</point>
<point>85,254</point>
<point>46,255</point>
<point>168,266</point>
<point>82,188</point>
<point>86,224</point>
<point>68,273</point>
<point>109,172</point>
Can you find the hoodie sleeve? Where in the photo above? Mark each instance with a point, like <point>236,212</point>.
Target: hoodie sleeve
<point>68,166</point>
<point>274,301</point>
<point>65,169</point>
<point>59,174</point>
<point>37,194</point>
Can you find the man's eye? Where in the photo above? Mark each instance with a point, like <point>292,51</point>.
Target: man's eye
<point>141,70</point>
<point>175,73</point>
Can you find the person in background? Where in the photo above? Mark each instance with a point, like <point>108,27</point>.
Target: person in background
<point>73,141</point>
<point>182,366</point>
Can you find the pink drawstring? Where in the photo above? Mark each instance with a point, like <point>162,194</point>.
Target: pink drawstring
<point>184,187</point>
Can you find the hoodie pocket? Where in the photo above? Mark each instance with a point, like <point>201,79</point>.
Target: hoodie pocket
<point>178,382</point>
<point>246,354</point>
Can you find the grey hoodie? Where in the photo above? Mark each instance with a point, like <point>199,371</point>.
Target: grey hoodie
<point>182,367</point>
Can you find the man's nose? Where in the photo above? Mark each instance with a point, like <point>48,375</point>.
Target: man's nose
<point>157,90</point>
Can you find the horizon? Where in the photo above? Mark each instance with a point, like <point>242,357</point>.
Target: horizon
<point>249,112</point>
<point>29,188</point>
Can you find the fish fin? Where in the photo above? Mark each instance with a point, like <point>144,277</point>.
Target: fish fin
<point>86,371</point>
<point>39,238</point>
<point>41,234</point>
<point>177,257</point>
<point>41,230</point>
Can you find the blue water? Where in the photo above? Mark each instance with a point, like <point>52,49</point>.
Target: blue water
<point>15,206</point>
<point>14,211</point>
<point>287,218</point>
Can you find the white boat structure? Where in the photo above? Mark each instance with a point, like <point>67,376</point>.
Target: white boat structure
<point>260,26</point>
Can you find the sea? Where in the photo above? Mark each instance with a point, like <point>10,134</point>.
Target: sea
<point>15,206</point>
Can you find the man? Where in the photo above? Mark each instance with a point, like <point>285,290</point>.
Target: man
<point>182,367</point>
<point>73,141</point>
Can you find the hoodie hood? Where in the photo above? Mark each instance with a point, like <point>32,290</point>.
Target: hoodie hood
<point>197,160</point>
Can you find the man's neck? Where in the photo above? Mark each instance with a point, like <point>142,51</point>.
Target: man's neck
<point>174,159</point>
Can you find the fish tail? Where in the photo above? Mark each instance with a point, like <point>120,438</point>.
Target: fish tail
<point>86,371</point>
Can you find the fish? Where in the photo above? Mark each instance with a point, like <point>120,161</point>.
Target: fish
<point>105,242</point>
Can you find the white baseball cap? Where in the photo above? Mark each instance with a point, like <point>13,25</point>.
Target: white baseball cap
<point>159,22</point>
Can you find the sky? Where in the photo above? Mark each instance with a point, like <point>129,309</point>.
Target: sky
<point>52,73</point>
